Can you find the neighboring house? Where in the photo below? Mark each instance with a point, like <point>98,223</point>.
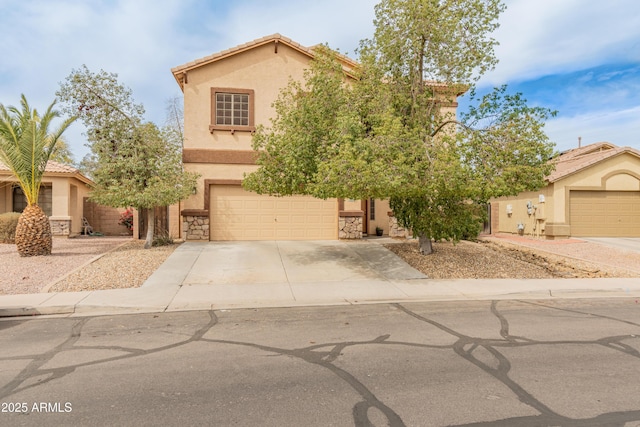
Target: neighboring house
<point>61,196</point>
<point>226,95</point>
<point>593,192</point>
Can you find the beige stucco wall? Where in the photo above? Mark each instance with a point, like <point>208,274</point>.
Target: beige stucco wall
<point>5,197</point>
<point>534,222</point>
<point>259,69</point>
<point>68,194</point>
<point>381,217</point>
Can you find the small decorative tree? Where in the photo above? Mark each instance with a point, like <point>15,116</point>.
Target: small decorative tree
<point>136,163</point>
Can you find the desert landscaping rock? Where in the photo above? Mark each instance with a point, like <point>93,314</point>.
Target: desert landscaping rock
<point>77,256</point>
<point>504,260</point>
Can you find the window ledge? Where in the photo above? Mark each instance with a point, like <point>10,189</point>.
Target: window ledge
<point>232,129</point>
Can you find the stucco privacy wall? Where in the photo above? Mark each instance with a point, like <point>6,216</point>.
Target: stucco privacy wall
<point>104,219</point>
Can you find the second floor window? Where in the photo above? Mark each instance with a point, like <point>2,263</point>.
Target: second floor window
<point>232,109</point>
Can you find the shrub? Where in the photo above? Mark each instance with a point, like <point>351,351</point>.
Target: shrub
<point>126,219</point>
<point>162,239</point>
<point>8,224</point>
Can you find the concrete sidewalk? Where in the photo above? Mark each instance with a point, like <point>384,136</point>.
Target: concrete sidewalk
<point>203,276</point>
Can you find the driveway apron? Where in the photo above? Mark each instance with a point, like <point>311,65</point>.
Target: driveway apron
<point>269,262</point>
<point>300,270</point>
<point>626,243</point>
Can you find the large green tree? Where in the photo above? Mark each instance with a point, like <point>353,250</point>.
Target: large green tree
<point>26,143</point>
<point>136,164</point>
<point>392,133</point>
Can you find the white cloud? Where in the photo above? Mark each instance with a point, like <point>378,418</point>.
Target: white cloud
<point>548,36</point>
<point>341,24</point>
<point>621,127</point>
<point>142,40</point>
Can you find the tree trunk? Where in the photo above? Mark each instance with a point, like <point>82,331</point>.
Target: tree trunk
<point>151,223</point>
<point>425,245</point>
<point>33,232</point>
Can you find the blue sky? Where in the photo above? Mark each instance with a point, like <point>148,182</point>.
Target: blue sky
<point>580,57</point>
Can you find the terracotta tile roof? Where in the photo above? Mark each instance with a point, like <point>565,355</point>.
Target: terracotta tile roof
<point>51,167</point>
<point>572,161</point>
<point>241,48</point>
<point>309,51</point>
<point>348,64</point>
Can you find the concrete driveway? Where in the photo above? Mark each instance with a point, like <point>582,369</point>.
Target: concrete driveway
<point>626,243</point>
<point>240,263</point>
<point>311,270</point>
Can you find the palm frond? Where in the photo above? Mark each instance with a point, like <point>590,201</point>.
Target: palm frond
<point>26,144</point>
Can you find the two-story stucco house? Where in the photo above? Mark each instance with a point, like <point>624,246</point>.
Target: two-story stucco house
<point>226,95</point>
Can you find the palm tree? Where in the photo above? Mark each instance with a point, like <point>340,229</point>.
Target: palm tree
<point>25,147</point>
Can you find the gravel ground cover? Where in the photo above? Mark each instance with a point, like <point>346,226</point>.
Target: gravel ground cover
<point>27,275</point>
<point>123,263</point>
<point>496,258</point>
<point>127,266</point>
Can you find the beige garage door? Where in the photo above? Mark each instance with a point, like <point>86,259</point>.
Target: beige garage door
<point>605,213</point>
<point>237,214</point>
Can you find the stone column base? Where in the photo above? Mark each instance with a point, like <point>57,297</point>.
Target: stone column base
<point>195,228</point>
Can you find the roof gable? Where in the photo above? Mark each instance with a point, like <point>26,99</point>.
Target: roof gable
<point>578,159</point>
<point>180,72</point>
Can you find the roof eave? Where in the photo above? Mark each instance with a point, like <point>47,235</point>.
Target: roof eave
<point>180,72</point>
<point>624,150</point>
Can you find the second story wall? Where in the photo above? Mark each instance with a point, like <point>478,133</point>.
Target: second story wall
<point>260,73</point>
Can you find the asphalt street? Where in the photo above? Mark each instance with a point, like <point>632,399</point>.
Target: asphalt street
<point>504,363</point>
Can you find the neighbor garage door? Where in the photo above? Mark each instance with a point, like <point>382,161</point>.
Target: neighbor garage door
<point>605,213</point>
<point>237,214</point>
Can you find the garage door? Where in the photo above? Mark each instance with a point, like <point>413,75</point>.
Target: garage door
<point>237,214</point>
<point>605,213</point>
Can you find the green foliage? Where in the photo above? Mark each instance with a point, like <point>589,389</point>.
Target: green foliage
<point>87,165</point>
<point>389,132</point>
<point>162,239</point>
<point>135,163</point>
<point>8,224</point>
<point>26,144</point>
<point>126,219</point>
<point>510,153</point>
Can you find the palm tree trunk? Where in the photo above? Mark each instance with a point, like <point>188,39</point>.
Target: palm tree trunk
<point>33,232</point>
